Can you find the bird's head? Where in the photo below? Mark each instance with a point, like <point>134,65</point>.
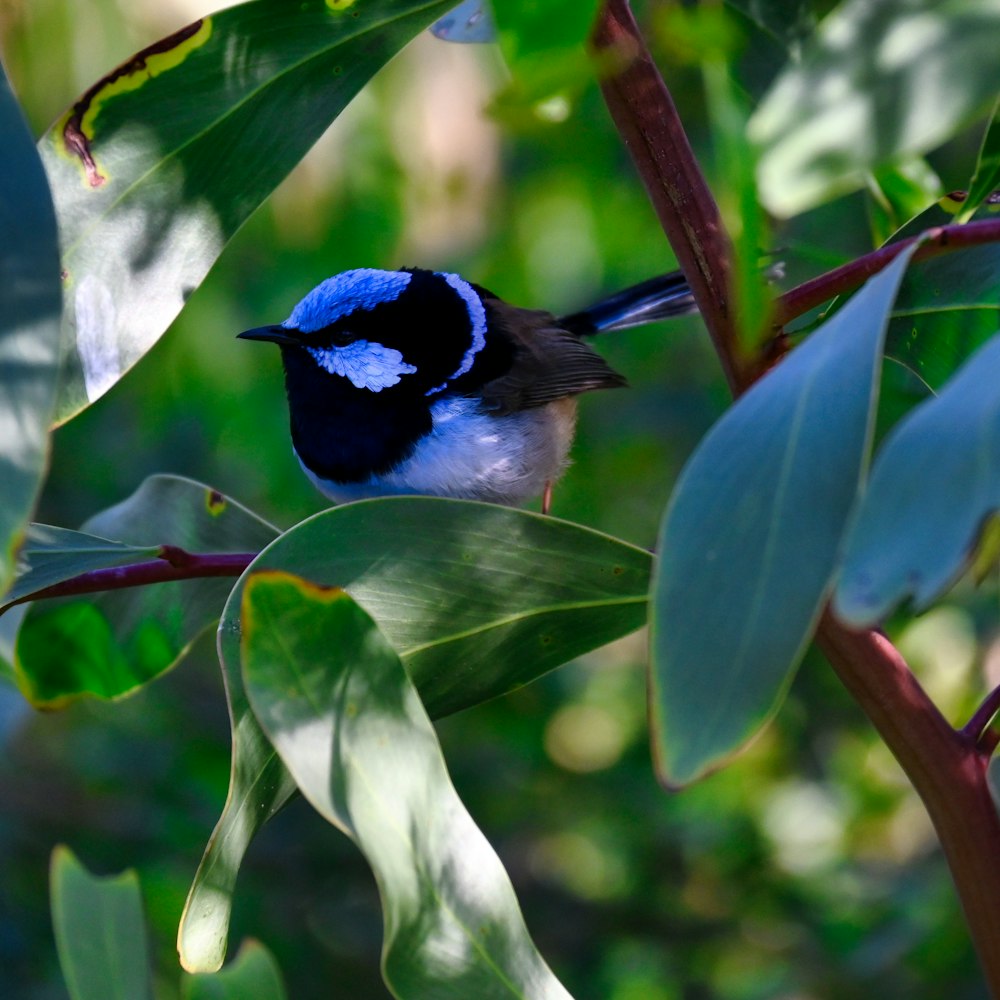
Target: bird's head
<point>411,332</point>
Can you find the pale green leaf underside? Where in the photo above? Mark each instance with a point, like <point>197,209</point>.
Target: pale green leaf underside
<point>339,708</point>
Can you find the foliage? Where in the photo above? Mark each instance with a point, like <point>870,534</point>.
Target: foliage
<point>345,633</point>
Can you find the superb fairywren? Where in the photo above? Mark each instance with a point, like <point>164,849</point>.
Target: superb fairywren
<point>417,381</point>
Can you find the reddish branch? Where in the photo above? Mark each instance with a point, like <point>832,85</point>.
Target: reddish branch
<point>173,563</point>
<point>646,119</point>
<point>946,767</point>
<point>939,240</point>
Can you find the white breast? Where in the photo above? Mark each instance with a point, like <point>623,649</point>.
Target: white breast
<point>471,455</point>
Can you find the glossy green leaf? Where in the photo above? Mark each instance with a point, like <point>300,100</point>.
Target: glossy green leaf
<point>52,555</point>
<point>751,535</point>
<point>947,308</point>
<point>477,600</point>
<point>876,81</point>
<point>341,711</point>
<point>252,975</point>
<point>109,644</point>
<point>160,162</point>
<point>986,179</point>
<point>30,304</point>
<point>100,932</point>
<point>934,484</point>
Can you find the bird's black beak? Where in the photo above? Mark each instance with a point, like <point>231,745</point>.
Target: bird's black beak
<point>275,334</point>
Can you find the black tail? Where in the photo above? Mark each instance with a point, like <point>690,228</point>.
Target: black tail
<point>659,298</point>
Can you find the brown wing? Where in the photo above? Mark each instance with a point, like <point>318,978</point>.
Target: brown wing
<point>549,363</point>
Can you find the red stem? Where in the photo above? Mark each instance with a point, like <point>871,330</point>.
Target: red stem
<point>646,119</point>
<point>939,240</point>
<point>948,770</point>
<point>978,728</point>
<point>173,564</point>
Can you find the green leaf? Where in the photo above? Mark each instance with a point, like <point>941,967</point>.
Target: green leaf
<point>100,932</point>
<point>109,644</point>
<point>876,81</point>
<point>158,164</point>
<point>934,484</point>
<point>947,308</point>
<point>340,709</point>
<point>986,179</point>
<point>253,975</point>
<point>52,555</point>
<point>899,192</point>
<point>750,537</point>
<point>544,45</point>
<point>477,600</point>
<point>789,22</point>
<point>30,303</point>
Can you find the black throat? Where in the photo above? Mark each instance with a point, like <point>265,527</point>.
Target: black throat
<point>344,434</point>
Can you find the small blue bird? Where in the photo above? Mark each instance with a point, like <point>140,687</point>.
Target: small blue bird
<point>414,381</point>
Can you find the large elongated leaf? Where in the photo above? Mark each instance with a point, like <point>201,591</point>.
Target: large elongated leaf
<point>876,81</point>
<point>160,162</point>
<point>749,540</point>
<point>30,303</point>
<point>111,643</point>
<point>100,932</point>
<point>934,484</point>
<point>341,711</point>
<point>477,599</point>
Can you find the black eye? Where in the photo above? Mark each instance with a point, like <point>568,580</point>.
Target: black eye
<point>335,336</point>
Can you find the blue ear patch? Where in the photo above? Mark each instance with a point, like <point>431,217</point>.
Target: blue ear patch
<point>477,325</point>
<point>367,365</point>
<point>362,288</point>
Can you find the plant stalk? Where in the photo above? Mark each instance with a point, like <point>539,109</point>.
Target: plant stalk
<point>946,767</point>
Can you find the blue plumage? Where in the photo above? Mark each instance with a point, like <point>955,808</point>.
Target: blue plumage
<point>416,381</point>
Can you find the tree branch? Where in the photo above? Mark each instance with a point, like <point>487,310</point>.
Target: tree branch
<point>948,770</point>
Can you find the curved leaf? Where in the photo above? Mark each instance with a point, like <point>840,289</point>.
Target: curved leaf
<point>933,486</point>
<point>158,164</point>
<point>476,599</point>
<point>30,303</point>
<point>749,541</point>
<point>340,709</point>
<point>100,932</point>
<point>252,974</point>
<point>109,644</point>
<point>876,81</point>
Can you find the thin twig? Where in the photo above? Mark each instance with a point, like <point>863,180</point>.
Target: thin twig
<point>173,564</point>
<point>939,240</point>
<point>978,726</point>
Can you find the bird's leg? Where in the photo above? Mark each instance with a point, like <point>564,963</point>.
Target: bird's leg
<point>547,497</point>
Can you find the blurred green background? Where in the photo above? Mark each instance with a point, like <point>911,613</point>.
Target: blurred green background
<point>806,870</point>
